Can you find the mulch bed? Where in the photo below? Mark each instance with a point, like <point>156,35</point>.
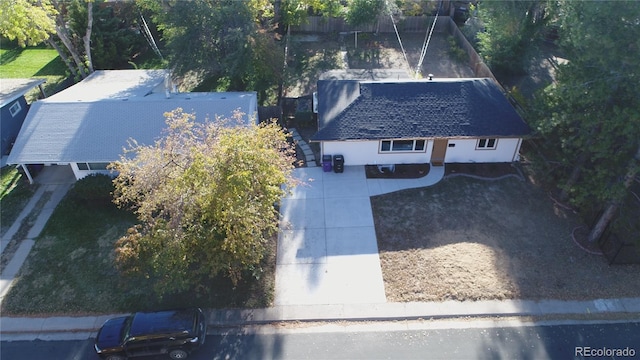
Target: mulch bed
<point>487,170</point>
<point>414,171</point>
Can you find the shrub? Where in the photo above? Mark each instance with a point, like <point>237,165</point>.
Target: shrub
<point>95,189</point>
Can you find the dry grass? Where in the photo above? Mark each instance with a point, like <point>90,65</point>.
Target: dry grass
<point>467,239</point>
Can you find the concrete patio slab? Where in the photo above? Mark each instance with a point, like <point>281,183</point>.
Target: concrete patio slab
<point>357,279</point>
<point>347,242</point>
<point>309,190</point>
<point>301,284</point>
<point>304,246</point>
<point>308,175</point>
<point>302,213</point>
<point>350,173</point>
<point>348,212</point>
<point>345,188</point>
<point>327,247</point>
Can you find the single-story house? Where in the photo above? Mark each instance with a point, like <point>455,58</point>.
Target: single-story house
<point>88,125</point>
<point>404,121</point>
<point>13,108</point>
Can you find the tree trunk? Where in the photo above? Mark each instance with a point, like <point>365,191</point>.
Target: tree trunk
<point>63,35</point>
<point>63,56</point>
<point>87,37</point>
<point>612,207</point>
<point>573,178</point>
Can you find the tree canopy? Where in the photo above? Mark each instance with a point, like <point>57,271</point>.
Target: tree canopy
<point>220,41</point>
<point>27,22</point>
<point>205,196</point>
<point>361,12</point>
<point>32,22</point>
<point>591,115</point>
<point>511,29</point>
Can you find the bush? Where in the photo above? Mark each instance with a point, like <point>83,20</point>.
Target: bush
<point>94,189</point>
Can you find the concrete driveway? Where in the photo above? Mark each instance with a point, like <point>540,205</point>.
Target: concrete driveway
<point>327,248</point>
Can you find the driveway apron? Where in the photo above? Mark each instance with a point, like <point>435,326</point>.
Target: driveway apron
<point>327,248</point>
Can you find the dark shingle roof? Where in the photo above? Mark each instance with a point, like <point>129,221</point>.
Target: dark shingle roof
<point>353,110</point>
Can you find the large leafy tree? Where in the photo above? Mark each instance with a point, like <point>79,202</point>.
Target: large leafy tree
<point>26,22</point>
<point>362,12</point>
<point>115,38</point>
<point>591,116</point>
<point>205,196</point>
<point>32,22</point>
<point>219,40</point>
<point>510,32</point>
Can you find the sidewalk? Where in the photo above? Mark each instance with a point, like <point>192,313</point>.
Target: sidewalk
<point>76,328</point>
<point>54,184</point>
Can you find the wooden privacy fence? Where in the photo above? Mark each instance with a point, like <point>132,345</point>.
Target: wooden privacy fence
<point>480,69</point>
<point>320,24</point>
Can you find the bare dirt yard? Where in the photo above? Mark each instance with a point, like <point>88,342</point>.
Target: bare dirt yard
<point>470,239</point>
<point>310,55</point>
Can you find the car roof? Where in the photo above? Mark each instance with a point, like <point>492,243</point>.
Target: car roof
<point>163,322</point>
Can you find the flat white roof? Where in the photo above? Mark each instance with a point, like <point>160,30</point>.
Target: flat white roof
<point>114,84</point>
<point>11,89</point>
<point>90,123</point>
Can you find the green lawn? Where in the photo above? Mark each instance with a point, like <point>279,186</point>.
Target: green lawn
<point>15,192</point>
<point>33,62</point>
<point>71,270</point>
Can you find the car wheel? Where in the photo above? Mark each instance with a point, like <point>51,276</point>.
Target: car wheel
<point>115,357</point>
<point>178,354</point>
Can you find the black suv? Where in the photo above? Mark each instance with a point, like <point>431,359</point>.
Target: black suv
<point>172,332</point>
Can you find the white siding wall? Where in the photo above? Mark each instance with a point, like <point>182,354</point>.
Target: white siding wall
<point>465,151</point>
<point>366,153</point>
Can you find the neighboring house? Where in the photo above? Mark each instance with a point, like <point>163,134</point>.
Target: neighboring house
<point>13,108</point>
<point>88,125</point>
<point>403,121</point>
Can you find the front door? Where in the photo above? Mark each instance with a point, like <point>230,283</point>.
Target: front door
<point>439,151</point>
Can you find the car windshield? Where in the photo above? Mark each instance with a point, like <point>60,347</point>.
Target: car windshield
<point>126,329</point>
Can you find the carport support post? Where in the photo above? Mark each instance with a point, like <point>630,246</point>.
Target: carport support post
<point>26,171</point>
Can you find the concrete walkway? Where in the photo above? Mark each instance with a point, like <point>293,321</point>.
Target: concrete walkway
<point>54,182</point>
<point>84,327</point>
<point>327,247</point>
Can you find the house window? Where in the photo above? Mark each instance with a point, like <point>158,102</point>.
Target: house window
<point>15,108</point>
<point>402,145</point>
<point>92,166</point>
<point>98,166</point>
<point>487,144</point>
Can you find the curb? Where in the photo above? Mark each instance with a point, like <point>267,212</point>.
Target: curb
<point>419,310</point>
<point>83,327</point>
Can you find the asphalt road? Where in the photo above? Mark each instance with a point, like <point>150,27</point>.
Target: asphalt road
<point>384,341</point>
